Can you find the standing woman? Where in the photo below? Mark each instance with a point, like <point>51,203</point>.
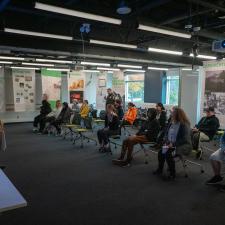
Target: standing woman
<point>119,109</point>
<point>112,127</point>
<point>161,115</point>
<point>177,141</point>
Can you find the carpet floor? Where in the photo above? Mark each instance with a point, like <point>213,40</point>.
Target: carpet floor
<point>64,185</point>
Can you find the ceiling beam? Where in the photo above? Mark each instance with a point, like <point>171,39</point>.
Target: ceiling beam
<point>208,5</point>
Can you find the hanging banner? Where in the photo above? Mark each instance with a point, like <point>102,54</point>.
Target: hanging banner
<point>118,83</point>
<point>2,91</point>
<point>76,84</point>
<point>214,91</point>
<point>24,89</point>
<point>101,91</point>
<point>51,85</point>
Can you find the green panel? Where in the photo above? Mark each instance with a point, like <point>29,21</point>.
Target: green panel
<point>50,73</point>
<point>52,103</point>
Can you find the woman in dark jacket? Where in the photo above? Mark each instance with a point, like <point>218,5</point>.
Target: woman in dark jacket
<point>177,141</point>
<point>45,110</point>
<point>161,115</point>
<point>64,117</point>
<point>112,127</point>
<point>147,133</point>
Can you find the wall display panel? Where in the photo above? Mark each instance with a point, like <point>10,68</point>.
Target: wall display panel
<point>51,85</point>
<point>24,89</point>
<point>214,88</point>
<point>2,91</point>
<point>76,83</point>
<point>118,83</point>
<point>101,91</point>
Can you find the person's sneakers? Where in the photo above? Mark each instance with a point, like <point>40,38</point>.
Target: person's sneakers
<point>157,172</point>
<point>214,180</point>
<point>35,130</point>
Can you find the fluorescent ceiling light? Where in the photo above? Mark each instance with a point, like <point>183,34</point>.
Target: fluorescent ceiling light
<point>165,51</point>
<point>11,58</point>
<point>54,61</point>
<point>112,44</point>
<point>25,68</point>
<point>91,71</point>
<point>75,13</point>
<point>129,66</point>
<point>32,33</point>
<point>137,71</point>
<point>157,68</point>
<point>203,56</point>
<point>95,64</point>
<point>5,62</point>
<point>58,69</point>
<point>186,69</point>
<point>108,69</point>
<point>163,31</point>
<point>37,64</point>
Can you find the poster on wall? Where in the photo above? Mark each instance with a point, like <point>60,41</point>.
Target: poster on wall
<point>76,84</point>
<point>51,85</point>
<point>118,83</point>
<point>101,91</point>
<point>214,92</point>
<point>24,89</point>
<point>2,91</point>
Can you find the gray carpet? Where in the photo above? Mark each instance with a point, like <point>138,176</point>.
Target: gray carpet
<point>65,185</point>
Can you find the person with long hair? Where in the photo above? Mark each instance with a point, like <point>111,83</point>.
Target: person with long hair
<point>112,127</point>
<point>147,133</point>
<point>84,111</point>
<point>119,109</point>
<point>177,141</point>
<point>161,115</point>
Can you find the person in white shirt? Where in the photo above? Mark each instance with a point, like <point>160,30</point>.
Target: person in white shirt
<point>52,116</point>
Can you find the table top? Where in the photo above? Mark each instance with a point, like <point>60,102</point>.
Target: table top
<point>10,198</point>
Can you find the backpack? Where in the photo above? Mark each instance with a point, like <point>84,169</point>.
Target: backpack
<point>102,114</point>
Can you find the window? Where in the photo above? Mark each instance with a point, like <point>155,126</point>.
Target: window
<point>172,90</point>
<point>134,86</point>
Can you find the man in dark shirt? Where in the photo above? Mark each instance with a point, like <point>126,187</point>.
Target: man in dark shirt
<point>205,129</point>
<point>110,99</point>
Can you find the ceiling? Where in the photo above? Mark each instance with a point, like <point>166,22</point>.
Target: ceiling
<point>168,14</point>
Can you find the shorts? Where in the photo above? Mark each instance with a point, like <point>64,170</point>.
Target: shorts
<point>218,156</point>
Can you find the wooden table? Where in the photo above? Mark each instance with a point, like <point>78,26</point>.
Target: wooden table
<point>10,198</point>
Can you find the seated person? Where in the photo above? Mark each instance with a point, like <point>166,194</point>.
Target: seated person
<point>161,115</point>
<point>45,110</point>
<point>130,115</point>
<point>119,109</point>
<point>112,127</point>
<point>147,133</point>
<point>52,116</point>
<point>64,117</point>
<point>205,129</point>
<point>216,159</point>
<point>75,105</point>
<point>177,141</point>
<point>84,111</point>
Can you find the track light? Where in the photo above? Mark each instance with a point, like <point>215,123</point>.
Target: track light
<point>136,71</point>
<point>25,68</point>
<point>5,62</point>
<point>91,71</point>
<point>54,61</point>
<point>165,51</point>
<point>157,68</point>
<point>11,58</point>
<point>112,44</point>
<point>108,69</point>
<point>95,64</point>
<point>204,56</point>
<point>163,31</point>
<point>38,34</point>
<point>186,69</point>
<point>37,64</point>
<point>58,69</point>
<point>129,66</point>
<point>75,13</point>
